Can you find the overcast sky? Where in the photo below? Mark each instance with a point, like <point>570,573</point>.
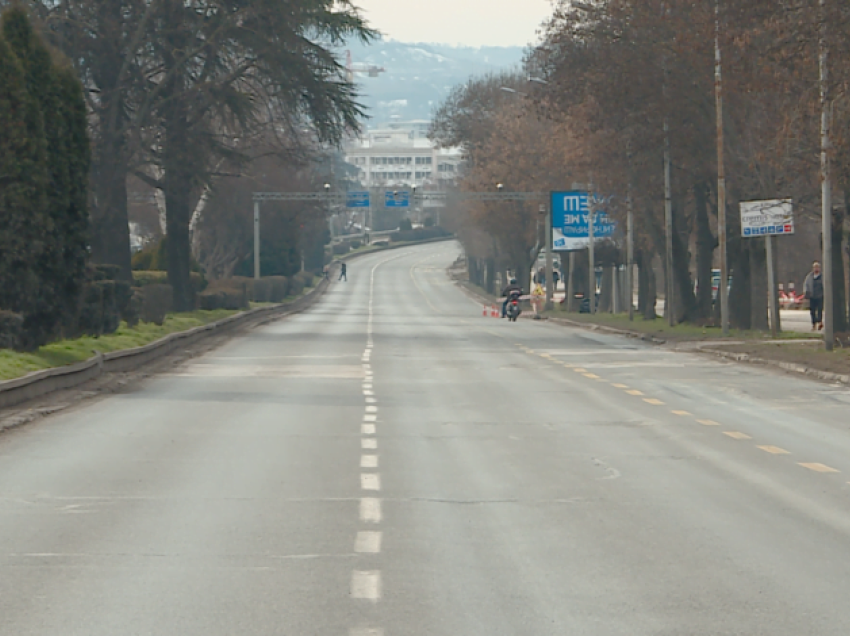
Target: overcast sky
<point>470,22</point>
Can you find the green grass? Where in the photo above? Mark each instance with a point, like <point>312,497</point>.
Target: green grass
<point>14,364</point>
<point>659,327</point>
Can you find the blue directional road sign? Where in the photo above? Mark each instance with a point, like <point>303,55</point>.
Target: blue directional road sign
<point>357,199</point>
<point>570,222</point>
<point>397,199</point>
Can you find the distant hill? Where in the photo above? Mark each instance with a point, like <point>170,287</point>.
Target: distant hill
<point>418,76</point>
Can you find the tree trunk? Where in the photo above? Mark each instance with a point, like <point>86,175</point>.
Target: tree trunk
<point>739,294</point>
<point>758,285</point>
<point>646,276</point>
<point>178,185</point>
<point>839,303</point>
<point>705,243</point>
<point>490,280</point>
<point>685,302</point>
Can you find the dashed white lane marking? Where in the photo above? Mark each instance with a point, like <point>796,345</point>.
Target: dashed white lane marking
<point>367,429</point>
<point>366,585</point>
<point>370,418</point>
<point>367,385</point>
<point>370,481</point>
<point>371,409</point>
<point>370,510</point>
<point>369,443</point>
<point>370,400</point>
<point>369,391</point>
<point>366,631</point>
<point>368,541</point>
<point>369,461</point>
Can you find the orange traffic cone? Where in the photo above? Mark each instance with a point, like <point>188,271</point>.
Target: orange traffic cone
<point>484,313</point>
<point>494,312</point>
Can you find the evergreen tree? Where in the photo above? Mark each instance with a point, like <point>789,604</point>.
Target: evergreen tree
<point>58,97</point>
<point>23,183</point>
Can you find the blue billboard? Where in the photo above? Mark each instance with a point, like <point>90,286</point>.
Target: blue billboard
<point>397,199</point>
<point>570,227</point>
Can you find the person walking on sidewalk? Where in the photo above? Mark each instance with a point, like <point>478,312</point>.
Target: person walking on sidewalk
<point>343,272</point>
<point>813,291</point>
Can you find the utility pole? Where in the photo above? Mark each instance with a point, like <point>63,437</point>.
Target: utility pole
<point>550,282</point>
<point>591,213</point>
<point>669,304</point>
<point>826,184</point>
<point>723,290</point>
<point>256,240</point>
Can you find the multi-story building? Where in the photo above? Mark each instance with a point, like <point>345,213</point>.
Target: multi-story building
<point>400,153</point>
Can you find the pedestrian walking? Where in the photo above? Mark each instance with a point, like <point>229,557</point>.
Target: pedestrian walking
<point>343,272</point>
<point>813,291</point>
<point>537,299</point>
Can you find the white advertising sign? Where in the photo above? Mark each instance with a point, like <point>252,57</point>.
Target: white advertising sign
<point>767,218</point>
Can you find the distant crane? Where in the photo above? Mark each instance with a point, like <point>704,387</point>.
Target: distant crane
<point>369,69</point>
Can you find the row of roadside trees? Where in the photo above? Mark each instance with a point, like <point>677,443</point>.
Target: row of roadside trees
<point>614,82</point>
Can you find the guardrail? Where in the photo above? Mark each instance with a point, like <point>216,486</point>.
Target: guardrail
<point>40,383</point>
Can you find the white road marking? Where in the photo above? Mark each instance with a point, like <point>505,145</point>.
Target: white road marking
<point>370,481</point>
<point>370,418</point>
<point>367,429</point>
<point>370,510</point>
<point>371,409</point>
<point>368,461</point>
<point>366,385</point>
<point>371,400</point>
<point>368,541</point>
<point>370,392</point>
<point>369,443</point>
<point>366,585</point>
<point>366,631</point>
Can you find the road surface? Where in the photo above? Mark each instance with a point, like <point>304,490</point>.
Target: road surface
<point>393,463</point>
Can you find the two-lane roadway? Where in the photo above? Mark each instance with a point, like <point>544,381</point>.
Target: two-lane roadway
<point>392,463</point>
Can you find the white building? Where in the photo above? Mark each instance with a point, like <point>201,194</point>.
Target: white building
<point>400,153</point>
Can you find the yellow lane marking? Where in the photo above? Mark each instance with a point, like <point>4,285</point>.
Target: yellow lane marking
<point>634,392</point>
<point>818,468</point>
<point>653,401</point>
<point>592,376</point>
<point>545,355</point>
<point>680,413</point>
<point>708,422</point>
<point>774,450</point>
<point>619,386</point>
<point>736,435</point>
<point>580,370</point>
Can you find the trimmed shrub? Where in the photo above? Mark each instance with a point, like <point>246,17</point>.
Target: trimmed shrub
<point>356,244</point>
<point>156,303</point>
<point>234,293</point>
<point>262,291</point>
<point>306,278</point>
<point>279,288</point>
<point>133,309</point>
<point>143,278</point>
<point>343,247</point>
<point>110,316</point>
<point>383,243</point>
<point>90,322</point>
<point>296,285</point>
<point>11,327</point>
<point>405,225</point>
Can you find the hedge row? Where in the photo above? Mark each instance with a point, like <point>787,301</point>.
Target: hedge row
<point>237,292</point>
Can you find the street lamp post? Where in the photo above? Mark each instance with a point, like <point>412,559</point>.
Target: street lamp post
<point>721,177</point>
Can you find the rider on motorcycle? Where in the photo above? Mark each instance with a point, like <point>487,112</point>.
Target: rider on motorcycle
<point>512,289</point>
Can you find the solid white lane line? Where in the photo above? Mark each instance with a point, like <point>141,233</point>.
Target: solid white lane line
<point>368,461</point>
<point>370,481</point>
<point>370,418</point>
<point>368,541</point>
<point>370,443</point>
<point>367,429</point>
<point>366,585</point>
<point>371,409</point>
<point>370,510</point>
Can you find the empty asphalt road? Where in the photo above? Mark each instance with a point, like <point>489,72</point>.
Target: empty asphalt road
<point>392,463</point>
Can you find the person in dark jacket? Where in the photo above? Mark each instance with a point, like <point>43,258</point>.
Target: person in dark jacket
<point>511,288</point>
<point>343,272</point>
<point>813,290</point>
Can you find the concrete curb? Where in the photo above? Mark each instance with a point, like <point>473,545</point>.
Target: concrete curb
<point>825,376</point>
<point>42,383</point>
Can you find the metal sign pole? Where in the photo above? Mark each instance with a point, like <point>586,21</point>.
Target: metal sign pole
<point>550,282</point>
<point>591,213</point>
<point>773,301</point>
<point>256,240</point>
